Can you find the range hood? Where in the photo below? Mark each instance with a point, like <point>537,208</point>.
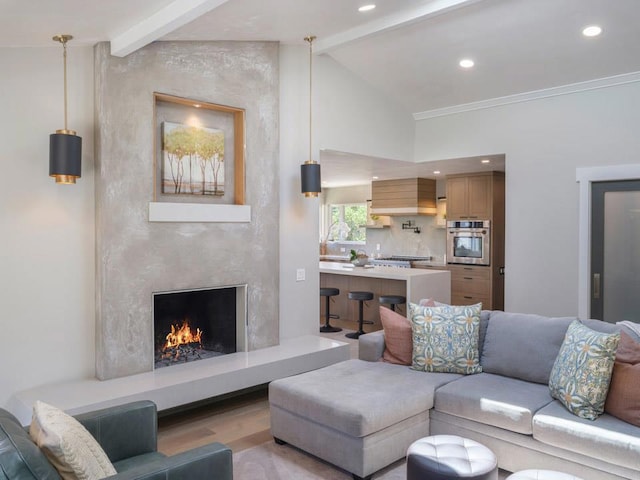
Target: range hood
<point>407,196</point>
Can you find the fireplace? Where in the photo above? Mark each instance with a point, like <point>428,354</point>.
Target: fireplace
<point>190,325</point>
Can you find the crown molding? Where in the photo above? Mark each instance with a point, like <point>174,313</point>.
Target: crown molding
<point>533,95</point>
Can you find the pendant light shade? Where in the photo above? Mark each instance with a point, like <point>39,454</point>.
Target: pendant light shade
<point>310,170</point>
<point>65,147</point>
<point>310,179</point>
<point>65,152</point>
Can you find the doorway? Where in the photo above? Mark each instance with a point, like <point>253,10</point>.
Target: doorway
<point>600,178</point>
<point>615,251</point>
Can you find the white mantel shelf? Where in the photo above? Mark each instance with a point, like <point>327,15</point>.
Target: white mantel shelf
<point>198,212</point>
<point>182,384</point>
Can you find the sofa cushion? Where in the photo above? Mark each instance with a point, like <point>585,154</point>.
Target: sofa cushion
<point>445,339</point>
<point>398,344</point>
<point>19,456</point>
<point>582,371</point>
<point>623,399</point>
<point>68,445</point>
<point>606,438</point>
<point>358,397</point>
<point>494,400</point>
<point>522,346</point>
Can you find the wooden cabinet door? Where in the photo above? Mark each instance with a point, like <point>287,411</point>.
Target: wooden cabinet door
<point>479,197</point>
<point>471,284</point>
<point>457,198</point>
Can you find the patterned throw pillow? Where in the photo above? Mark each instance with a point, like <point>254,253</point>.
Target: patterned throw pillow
<point>582,371</point>
<point>445,339</point>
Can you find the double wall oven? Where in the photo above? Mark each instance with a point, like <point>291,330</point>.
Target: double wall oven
<point>469,242</point>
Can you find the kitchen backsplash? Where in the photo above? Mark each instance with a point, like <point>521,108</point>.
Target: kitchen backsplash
<point>393,240</point>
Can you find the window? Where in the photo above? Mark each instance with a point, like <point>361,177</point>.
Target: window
<point>346,222</point>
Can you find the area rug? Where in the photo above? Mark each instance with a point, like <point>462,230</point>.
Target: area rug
<point>270,461</point>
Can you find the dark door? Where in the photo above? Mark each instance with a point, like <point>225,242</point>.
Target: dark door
<point>615,251</point>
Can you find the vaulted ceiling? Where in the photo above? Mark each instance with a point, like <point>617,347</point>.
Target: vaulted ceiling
<point>408,49</point>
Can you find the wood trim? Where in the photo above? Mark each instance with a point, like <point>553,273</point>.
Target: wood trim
<point>239,133</point>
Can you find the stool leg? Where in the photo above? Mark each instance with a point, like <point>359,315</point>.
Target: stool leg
<point>360,321</point>
<point>326,328</point>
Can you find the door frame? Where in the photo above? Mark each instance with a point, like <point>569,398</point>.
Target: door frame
<point>585,176</point>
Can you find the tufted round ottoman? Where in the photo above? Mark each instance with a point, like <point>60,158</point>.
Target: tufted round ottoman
<point>449,457</point>
<point>541,475</point>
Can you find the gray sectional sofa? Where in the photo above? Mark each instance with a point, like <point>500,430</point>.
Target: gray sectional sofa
<point>362,414</point>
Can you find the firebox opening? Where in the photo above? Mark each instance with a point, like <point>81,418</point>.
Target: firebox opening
<point>194,325</point>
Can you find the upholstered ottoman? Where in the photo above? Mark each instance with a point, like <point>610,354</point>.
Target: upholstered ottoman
<point>449,457</point>
<point>541,475</point>
<point>337,413</point>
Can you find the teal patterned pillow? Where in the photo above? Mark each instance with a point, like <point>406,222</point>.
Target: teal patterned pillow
<point>582,371</point>
<point>445,339</point>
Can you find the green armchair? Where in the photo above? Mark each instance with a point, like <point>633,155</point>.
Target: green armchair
<point>128,435</point>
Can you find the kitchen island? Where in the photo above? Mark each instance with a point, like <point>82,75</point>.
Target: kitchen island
<point>413,283</point>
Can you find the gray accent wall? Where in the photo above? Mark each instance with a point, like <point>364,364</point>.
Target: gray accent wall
<point>134,257</point>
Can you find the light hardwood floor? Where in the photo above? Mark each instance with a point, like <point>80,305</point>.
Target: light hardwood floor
<point>240,422</point>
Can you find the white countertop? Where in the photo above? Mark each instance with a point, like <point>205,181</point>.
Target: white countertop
<point>390,273</point>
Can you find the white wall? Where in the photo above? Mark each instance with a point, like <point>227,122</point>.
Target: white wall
<point>352,116</point>
<point>348,115</point>
<point>544,141</point>
<point>47,230</point>
<point>299,301</point>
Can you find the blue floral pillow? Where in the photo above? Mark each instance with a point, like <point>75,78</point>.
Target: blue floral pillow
<point>582,371</point>
<point>445,338</point>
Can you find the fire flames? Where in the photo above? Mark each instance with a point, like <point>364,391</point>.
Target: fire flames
<point>182,336</point>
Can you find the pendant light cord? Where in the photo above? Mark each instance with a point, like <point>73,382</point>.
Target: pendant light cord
<point>64,60</point>
<point>310,39</point>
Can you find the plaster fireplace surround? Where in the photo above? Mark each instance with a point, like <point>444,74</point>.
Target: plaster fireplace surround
<point>135,257</point>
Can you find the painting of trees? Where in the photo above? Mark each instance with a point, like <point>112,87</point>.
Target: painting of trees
<point>192,160</point>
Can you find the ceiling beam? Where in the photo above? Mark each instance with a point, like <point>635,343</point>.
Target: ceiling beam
<point>165,20</point>
<point>389,22</point>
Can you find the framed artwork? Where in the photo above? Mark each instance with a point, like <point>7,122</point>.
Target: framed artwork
<point>192,160</point>
<point>199,151</point>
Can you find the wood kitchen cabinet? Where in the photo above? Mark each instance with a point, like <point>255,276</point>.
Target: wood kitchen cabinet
<point>474,197</point>
<point>471,284</point>
<point>479,196</point>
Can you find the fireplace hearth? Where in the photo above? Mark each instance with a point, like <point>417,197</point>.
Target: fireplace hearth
<point>191,325</point>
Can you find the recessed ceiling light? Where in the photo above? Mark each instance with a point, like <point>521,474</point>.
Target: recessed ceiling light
<point>466,63</point>
<point>591,31</point>
<point>485,160</point>
<point>366,8</point>
<point>197,105</point>
<point>375,178</point>
<point>436,172</point>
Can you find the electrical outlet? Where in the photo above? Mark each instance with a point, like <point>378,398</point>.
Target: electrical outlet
<point>377,247</point>
<point>342,249</point>
<point>300,275</point>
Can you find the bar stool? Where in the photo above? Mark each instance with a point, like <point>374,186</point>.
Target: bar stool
<point>361,297</point>
<point>393,300</point>
<point>328,293</point>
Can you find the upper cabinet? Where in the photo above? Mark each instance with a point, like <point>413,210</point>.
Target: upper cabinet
<point>475,196</point>
<point>409,196</point>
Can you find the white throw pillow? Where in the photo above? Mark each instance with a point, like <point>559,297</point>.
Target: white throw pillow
<point>69,446</point>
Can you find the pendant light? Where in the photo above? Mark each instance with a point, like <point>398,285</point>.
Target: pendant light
<point>65,147</point>
<point>310,170</point>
